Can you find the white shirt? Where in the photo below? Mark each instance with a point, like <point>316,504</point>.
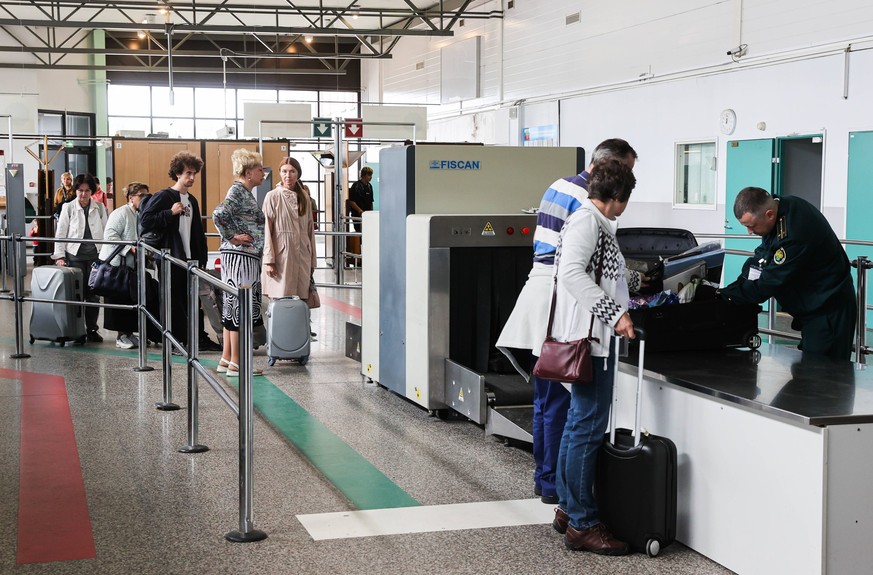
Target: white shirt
<point>185,223</point>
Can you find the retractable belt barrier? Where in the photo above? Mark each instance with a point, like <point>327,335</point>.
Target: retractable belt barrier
<point>244,409</point>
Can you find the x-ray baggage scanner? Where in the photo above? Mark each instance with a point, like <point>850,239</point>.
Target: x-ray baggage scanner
<point>453,251</point>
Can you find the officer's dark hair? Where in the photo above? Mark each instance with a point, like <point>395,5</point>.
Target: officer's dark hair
<point>611,179</point>
<point>752,200</point>
<point>182,161</point>
<point>614,148</point>
<point>85,179</point>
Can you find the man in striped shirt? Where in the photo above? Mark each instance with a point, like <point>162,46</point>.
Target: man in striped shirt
<point>526,327</point>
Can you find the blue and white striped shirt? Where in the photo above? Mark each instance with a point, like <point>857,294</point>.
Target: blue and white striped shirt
<point>561,199</point>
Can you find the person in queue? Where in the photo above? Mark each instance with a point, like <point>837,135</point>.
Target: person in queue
<point>586,242</point>
<point>122,226</point>
<point>526,327</point>
<point>289,238</point>
<point>361,197</point>
<point>85,220</point>
<point>801,263</point>
<point>176,213</point>
<point>100,195</point>
<point>240,222</point>
<point>65,193</point>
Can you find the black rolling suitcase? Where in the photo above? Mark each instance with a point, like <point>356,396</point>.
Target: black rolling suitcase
<point>635,487</point>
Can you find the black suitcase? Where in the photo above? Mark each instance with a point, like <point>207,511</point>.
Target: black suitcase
<point>635,486</point>
<point>708,322</point>
<point>699,325</point>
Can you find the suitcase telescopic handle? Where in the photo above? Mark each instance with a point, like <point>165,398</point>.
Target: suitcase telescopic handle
<point>641,335</point>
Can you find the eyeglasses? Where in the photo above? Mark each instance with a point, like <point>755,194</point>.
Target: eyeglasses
<point>142,195</point>
<point>85,191</point>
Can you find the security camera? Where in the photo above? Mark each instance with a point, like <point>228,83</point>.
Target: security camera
<point>738,52</point>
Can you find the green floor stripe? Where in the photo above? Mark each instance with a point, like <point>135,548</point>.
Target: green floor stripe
<point>356,478</point>
<point>363,485</point>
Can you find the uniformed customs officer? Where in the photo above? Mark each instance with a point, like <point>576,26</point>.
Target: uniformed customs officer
<point>800,261</point>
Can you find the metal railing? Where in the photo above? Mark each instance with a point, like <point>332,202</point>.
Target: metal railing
<point>244,410</point>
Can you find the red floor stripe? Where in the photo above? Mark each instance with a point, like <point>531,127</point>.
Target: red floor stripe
<point>53,520</point>
<point>342,306</point>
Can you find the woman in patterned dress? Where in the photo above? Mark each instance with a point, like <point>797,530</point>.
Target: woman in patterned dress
<point>240,222</point>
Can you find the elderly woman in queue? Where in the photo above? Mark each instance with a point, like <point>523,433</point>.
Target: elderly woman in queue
<point>83,219</point>
<point>121,226</point>
<point>289,244</point>
<point>240,222</point>
<point>588,241</point>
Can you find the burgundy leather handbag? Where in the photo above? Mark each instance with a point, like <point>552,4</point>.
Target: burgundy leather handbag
<point>567,361</point>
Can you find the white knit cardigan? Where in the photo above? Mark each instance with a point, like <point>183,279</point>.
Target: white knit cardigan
<point>586,236</point>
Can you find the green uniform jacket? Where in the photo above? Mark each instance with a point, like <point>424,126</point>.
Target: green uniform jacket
<point>802,264</point>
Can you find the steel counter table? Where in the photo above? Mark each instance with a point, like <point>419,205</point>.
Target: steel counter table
<point>775,455</point>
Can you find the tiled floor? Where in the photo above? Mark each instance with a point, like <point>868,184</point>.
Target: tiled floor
<point>325,441</point>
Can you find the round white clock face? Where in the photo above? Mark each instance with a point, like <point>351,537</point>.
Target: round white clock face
<point>727,121</point>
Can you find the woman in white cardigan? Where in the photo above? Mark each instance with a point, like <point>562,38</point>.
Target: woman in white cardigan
<point>588,241</point>
<point>121,226</point>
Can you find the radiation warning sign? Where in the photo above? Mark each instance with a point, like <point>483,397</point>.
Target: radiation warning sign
<point>488,230</point>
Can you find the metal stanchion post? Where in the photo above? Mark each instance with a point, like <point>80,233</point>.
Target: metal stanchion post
<point>18,280</point>
<point>771,319</point>
<point>861,350</point>
<point>247,532</point>
<point>193,393</point>
<point>167,323</point>
<point>142,322</point>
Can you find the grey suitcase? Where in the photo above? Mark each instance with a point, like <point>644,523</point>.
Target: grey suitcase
<point>57,322</point>
<point>288,330</point>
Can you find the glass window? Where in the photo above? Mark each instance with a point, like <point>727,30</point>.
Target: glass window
<point>79,125</point>
<point>208,129</point>
<point>294,96</point>
<point>129,100</point>
<point>695,174</point>
<point>119,123</point>
<point>243,96</point>
<point>215,103</point>
<point>338,105</point>
<point>183,102</point>
<point>175,127</point>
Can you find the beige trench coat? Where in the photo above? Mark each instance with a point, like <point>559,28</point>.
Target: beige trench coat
<point>289,244</point>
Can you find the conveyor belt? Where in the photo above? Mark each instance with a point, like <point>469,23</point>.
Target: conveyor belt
<point>509,389</point>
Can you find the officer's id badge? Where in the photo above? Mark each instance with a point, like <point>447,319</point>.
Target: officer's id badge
<point>779,256</point>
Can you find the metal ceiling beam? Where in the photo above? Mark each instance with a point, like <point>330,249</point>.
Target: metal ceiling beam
<point>222,29</point>
<point>191,53</point>
<point>176,69</point>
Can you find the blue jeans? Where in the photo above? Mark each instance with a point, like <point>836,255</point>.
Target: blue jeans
<point>551,403</point>
<point>583,436</point>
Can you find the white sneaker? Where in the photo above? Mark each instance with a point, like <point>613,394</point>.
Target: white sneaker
<point>124,342</point>
<point>134,339</point>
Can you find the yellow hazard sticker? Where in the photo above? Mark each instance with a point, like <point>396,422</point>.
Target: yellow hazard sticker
<point>779,256</point>
<point>461,394</point>
<point>417,393</point>
<point>488,230</point>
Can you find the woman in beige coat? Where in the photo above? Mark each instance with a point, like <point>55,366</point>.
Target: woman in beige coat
<point>289,238</point>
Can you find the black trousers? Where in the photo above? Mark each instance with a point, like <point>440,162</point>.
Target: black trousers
<point>91,313</point>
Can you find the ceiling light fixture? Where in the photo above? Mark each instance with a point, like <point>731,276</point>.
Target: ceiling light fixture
<point>141,34</point>
<point>308,39</point>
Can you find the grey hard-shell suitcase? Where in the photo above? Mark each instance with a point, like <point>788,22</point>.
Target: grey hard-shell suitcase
<point>54,321</point>
<point>288,330</point>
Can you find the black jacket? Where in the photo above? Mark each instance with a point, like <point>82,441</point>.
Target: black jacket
<point>157,215</point>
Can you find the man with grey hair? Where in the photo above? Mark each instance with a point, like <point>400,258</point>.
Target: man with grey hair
<point>525,329</point>
<point>801,263</point>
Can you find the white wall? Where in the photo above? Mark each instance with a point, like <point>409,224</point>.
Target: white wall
<point>791,78</point>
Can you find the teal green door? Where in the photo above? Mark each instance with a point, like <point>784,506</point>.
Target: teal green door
<point>749,163</point>
<point>859,203</point>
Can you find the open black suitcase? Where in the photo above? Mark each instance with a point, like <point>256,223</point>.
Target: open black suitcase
<point>635,486</point>
<point>708,322</point>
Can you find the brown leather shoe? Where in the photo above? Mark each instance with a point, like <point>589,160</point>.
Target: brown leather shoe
<point>595,539</point>
<point>561,521</point>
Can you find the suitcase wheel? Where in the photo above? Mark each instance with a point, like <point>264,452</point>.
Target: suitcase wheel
<point>271,361</point>
<point>303,360</point>
<point>753,340</point>
<point>653,547</point>
<point>62,343</point>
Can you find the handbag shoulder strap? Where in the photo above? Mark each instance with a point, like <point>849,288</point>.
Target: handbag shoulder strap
<point>115,252</point>
<point>598,274</point>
